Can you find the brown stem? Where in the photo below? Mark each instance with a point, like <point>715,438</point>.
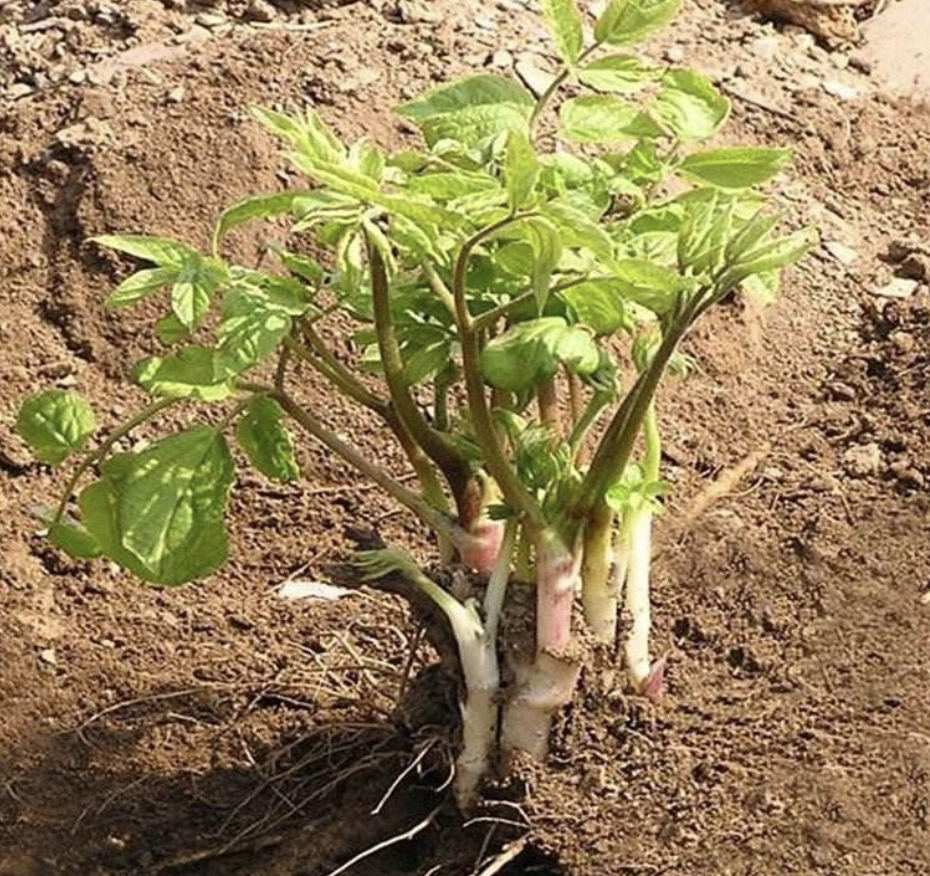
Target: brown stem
<point>437,446</point>
<point>548,401</point>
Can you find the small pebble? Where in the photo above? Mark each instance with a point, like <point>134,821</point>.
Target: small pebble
<point>898,287</point>
<point>863,460</point>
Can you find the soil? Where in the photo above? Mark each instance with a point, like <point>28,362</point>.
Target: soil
<point>220,728</point>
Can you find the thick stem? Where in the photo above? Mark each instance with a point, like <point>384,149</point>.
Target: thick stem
<point>599,594</point>
<point>479,717</point>
<point>639,553</point>
<point>636,599</point>
<point>542,688</point>
<point>557,571</point>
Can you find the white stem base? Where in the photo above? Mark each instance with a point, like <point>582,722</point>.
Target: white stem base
<point>637,599</point>
<point>541,690</point>
<point>479,735</point>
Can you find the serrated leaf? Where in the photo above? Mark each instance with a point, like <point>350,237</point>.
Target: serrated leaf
<point>447,186</point>
<point>189,373</point>
<point>603,119</point>
<point>256,207</point>
<point>622,74</point>
<point>532,351</point>
<point>690,106</point>
<point>564,20</point>
<point>141,284</point>
<point>308,133</point>
<point>736,168</point>
<point>521,169</point>
<point>470,110</point>
<point>251,329</point>
<point>159,513</point>
<point>55,424</point>
<point>547,249</point>
<point>161,251</point>
<point>261,433</point>
<point>624,22</point>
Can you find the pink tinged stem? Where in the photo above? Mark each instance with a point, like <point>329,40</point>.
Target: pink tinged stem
<point>557,577</point>
<point>480,551</point>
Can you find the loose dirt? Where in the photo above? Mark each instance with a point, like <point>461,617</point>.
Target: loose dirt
<point>220,728</point>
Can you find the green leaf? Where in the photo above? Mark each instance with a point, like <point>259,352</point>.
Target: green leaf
<point>159,250</point>
<point>309,134</point>
<point>159,513</point>
<point>547,249</point>
<point>189,373</point>
<point>426,362</point>
<point>771,256</point>
<point>266,441</point>
<point>471,110</point>
<point>447,186</point>
<point>576,229</point>
<point>690,106</point>
<point>197,280</point>
<point>618,73</point>
<point>756,230</point>
<point>141,284</point>
<point>170,330</point>
<point>532,351</point>
<point>303,266</point>
<point>367,159</point>
<point>598,304</point>
<point>737,168</point>
<point>602,119</point>
<point>647,284</point>
<point>762,288</point>
<point>69,535</point>
<point>564,20</point>
<point>521,169</point>
<point>251,329</point>
<point>628,21</point>
<point>256,207</point>
<point>55,424</point>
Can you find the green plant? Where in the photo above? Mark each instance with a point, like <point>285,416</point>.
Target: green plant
<point>495,279</point>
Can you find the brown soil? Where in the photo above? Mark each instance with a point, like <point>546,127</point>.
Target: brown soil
<point>221,729</point>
